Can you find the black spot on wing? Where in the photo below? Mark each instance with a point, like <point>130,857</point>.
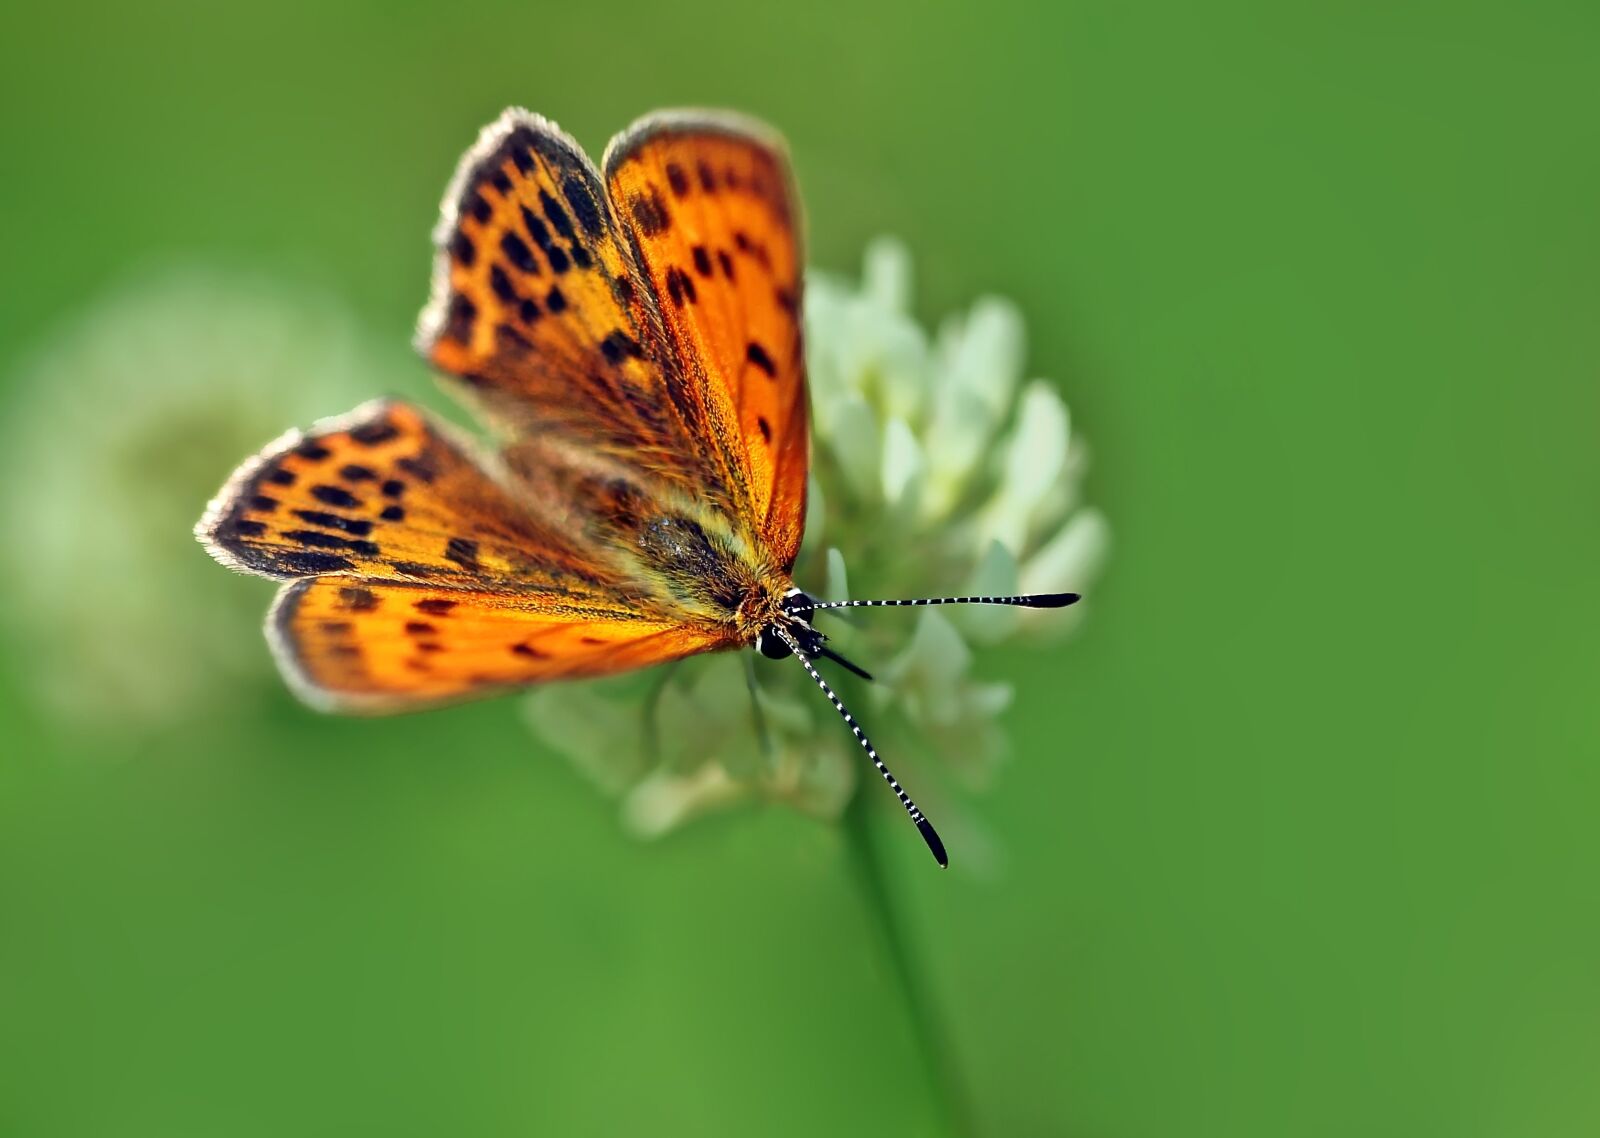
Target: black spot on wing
<point>557,215</point>
<point>584,206</point>
<point>518,253</point>
<point>419,467</point>
<point>501,284</point>
<point>618,346</point>
<point>754,249</point>
<point>306,561</point>
<point>357,599</point>
<point>757,355</point>
<point>540,232</point>
<point>434,606</point>
<point>356,527</point>
<point>463,551</point>
<point>680,287</point>
<point>372,434</point>
<point>648,212</point>
<point>335,496</point>
<point>314,537</point>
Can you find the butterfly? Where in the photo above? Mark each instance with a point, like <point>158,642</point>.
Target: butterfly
<point>631,338</point>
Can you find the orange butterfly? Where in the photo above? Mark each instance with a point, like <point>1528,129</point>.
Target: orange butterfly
<point>633,338</point>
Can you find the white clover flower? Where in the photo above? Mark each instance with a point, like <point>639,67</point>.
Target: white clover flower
<point>126,416</point>
<point>935,470</point>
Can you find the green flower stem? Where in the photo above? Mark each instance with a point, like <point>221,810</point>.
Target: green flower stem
<point>944,1071</point>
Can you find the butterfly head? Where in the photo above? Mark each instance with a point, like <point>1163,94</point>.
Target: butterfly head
<point>794,617</point>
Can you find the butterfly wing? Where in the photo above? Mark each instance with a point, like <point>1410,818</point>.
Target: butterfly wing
<point>708,206</point>
<point>426,579</point>
<point>376,646</point>
<point>386,493</point>
<point>538,311</point>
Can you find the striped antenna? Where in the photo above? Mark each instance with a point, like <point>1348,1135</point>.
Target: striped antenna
<point>1032,601</point>
<point>924,827</point>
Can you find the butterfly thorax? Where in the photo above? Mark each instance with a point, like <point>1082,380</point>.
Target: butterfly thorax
<point>709,572</point>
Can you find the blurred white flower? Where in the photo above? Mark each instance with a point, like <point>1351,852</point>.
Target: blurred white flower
<point>936,469</point>
<point>119,422</point>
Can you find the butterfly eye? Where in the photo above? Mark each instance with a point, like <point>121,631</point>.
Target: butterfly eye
<point>770,645</point>
<point>800,604</point>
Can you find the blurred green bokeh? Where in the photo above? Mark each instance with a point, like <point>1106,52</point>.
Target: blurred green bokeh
<point>1299,837</point>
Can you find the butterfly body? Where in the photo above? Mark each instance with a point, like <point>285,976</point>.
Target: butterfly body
<point>630,336</point>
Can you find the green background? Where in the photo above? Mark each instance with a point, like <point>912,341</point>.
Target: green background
<point>1299,838</point>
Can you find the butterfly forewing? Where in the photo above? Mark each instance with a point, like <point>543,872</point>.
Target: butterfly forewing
<point>536,307</point>
<point>428,579</point>
<point>385,493</point>
<point>707,204</point>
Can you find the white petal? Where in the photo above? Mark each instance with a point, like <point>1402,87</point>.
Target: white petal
<point>1034,457</point>
<point>664,801</point>
<point>903,466</point>
<point>850,428</point>
<point>838,585</point>
<point>925,677</point>
<point>886,274</point>
<point>995,576</point>
<point>1069,561</point>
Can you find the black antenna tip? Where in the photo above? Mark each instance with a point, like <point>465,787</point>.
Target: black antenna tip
<point>1051,600</point>
<point>929,835</point>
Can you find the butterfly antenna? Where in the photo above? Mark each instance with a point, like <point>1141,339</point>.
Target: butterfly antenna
<point>924,827</point>
<point>1030,601</point>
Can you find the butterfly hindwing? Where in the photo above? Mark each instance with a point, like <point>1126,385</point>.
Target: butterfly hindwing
<point>708,205</point>
<point>382,646</point>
